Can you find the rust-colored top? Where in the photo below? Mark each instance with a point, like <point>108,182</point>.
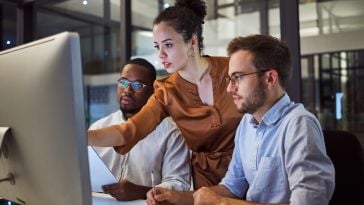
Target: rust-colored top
<point>208,130</point>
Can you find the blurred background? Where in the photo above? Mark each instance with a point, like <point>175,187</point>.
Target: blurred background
<point>325,37</point>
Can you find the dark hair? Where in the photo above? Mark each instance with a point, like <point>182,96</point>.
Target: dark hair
<point>145,64</point>
<point>186,17</point>
<point>268,53</point>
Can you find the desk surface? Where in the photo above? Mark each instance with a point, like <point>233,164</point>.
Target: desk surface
<point>105,199</point>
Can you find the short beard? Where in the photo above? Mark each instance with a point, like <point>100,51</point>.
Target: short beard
<point>254,101</point>
<point>128,112</point>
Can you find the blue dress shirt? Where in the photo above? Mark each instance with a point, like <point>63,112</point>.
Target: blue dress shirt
<point>282,159</point>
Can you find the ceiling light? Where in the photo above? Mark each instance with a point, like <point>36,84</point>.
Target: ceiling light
<point>166,5</point>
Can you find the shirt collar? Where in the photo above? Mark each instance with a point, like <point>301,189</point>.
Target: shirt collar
<point>121,115</point>
<point>277,111</point>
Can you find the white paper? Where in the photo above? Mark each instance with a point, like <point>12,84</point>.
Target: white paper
<point>105,199</point>
<point>99,173</point>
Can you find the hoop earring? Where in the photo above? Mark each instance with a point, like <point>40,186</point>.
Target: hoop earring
<point>191,52</point>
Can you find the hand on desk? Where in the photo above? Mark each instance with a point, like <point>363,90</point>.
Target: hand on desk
<point>206,196</point>
<point>126,191</point>
<point>167,197</point>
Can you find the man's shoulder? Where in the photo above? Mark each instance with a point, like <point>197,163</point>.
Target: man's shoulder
<point>167,123</point>
<point>166,128</point>
<point>285,111</point>
<point>298,111</point>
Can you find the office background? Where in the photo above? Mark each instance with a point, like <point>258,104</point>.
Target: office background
<point>325,37</point>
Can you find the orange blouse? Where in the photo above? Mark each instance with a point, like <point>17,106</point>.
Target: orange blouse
<point>208,130</point>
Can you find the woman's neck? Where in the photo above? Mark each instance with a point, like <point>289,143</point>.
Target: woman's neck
<point>195,70</point>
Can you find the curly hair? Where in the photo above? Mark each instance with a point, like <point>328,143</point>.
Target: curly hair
<point>186,17</point>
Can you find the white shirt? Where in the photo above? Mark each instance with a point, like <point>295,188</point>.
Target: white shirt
<point>163,151</point>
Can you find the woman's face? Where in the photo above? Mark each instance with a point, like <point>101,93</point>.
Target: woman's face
<point>171,49</point>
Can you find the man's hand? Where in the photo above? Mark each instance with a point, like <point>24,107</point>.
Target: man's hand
<point>126,191</point>
<point>167,197</point>
<point>205,196</point>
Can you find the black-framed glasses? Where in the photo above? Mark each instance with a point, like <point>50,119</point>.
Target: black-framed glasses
<point>137,86</point>
<point>236,77</point>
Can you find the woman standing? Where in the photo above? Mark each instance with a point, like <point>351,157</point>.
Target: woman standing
<point>194,95</point>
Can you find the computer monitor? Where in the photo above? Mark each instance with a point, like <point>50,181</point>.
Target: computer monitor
<point>41,100</point>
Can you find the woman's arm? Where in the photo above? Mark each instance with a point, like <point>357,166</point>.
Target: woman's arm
<point>126,134</point>
<point>105,137</point>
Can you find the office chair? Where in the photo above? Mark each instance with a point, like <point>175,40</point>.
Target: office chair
<point>346,153</point>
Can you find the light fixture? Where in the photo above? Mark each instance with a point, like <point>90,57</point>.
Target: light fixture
<point>146,33</point>
<point>166,5</point>
<point>84,2</point>
<point>8,42</point>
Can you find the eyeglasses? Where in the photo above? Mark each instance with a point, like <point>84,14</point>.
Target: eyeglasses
<point>236,77</point>
<point>137,86</point>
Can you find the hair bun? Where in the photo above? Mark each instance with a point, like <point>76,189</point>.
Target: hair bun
<point>197,6</point>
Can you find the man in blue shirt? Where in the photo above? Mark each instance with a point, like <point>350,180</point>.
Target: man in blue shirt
<point>279,155</point>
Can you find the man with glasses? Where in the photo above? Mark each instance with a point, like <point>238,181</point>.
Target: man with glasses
<point>279,155</point>
<point>164,152</point>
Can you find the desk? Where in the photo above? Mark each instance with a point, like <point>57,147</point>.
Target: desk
<point>105,199</point>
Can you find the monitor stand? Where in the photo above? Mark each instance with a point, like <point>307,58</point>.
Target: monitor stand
<point>5,133</point>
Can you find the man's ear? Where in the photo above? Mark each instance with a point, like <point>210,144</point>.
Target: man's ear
<point>272,78</point>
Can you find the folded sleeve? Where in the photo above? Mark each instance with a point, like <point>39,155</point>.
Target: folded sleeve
<point>310,172</point>
<point>176,171</point>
